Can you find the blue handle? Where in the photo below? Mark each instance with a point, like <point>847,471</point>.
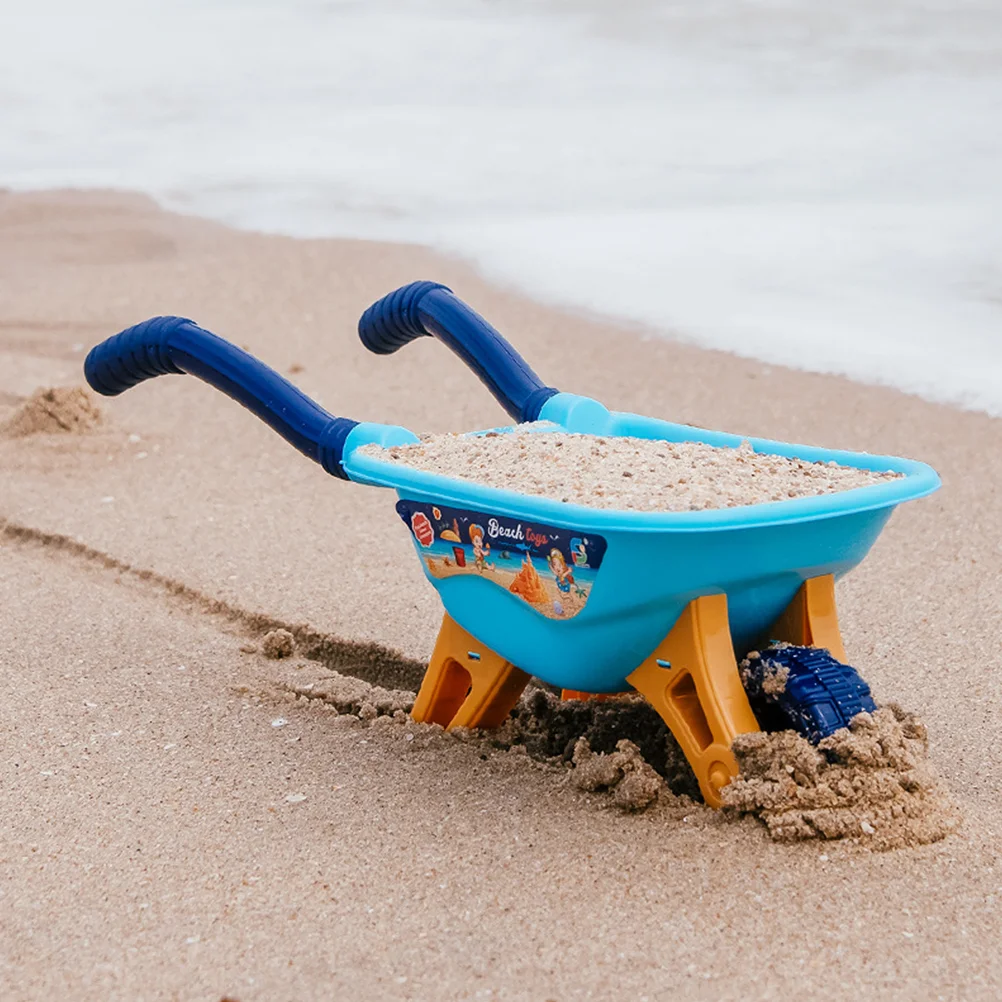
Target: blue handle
<point>173,344</point>
<point>424,309</point>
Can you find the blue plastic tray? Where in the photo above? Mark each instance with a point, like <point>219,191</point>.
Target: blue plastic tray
<point>655,562</point>
<point>613,582</point>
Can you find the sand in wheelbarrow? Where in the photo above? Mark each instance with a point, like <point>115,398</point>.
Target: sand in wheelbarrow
<point>625,473</point>
<point>53,410</point>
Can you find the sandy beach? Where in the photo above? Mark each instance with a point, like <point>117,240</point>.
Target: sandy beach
<point>177,823</point>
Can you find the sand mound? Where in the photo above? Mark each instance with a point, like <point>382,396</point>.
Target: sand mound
<point>634,785</point>
<point>353,696</point>
<point>761,677</point>
<point>53,409</point>
<point>550,728</point>
<point>278,644</point>
<point>871,782</point>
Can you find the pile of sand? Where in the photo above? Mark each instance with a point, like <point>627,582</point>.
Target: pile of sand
<point>633,784</point>
<point>761,677</point>
<point>53,409</point>
<point>354,696</point>
<point>625,473</point>
<point>872,782</point>
<point>550,728</point>
<point>278,643</point>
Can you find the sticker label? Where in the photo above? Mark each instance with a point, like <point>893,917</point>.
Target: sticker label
<point>551,569</point>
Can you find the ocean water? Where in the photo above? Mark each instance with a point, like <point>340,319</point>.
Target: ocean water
<point>806,183</point>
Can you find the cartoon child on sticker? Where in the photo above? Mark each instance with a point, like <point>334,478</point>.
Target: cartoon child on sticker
<point>560,570</point>
<point>481,550</point>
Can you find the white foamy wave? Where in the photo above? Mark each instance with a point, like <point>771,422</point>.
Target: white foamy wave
<point>806,185</point>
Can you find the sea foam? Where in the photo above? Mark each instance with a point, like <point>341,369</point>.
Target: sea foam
<point>809,185</point>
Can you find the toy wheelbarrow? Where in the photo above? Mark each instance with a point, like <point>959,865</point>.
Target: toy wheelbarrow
<point>592,601</point>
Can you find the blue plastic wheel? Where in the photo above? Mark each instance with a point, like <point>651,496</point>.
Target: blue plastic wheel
<point>804,689</point>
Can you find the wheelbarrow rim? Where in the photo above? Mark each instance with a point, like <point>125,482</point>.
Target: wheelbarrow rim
<point>917,480</point>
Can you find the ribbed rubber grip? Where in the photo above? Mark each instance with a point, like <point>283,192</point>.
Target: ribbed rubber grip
<point>393,321</point>
<point>428,308</point>
<point>165,345</point>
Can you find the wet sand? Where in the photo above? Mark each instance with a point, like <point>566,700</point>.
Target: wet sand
<point>165,836</point>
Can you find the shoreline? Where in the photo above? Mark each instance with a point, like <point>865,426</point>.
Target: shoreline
<point>469,266</point>
<point>184,486</point>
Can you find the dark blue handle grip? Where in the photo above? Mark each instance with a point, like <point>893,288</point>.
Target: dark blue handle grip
<point>424,309</point>
<point>173,344</point>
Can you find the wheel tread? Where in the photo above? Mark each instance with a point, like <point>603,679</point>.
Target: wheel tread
<point>821,695</point>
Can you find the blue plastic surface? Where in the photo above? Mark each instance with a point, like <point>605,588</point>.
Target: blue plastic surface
<point>656,562</point>
<point>424,309</point>
<point>165,345</point>
<point>821,694</point>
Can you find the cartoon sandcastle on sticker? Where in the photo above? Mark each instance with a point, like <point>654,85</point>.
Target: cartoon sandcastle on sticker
<point>528,584</point>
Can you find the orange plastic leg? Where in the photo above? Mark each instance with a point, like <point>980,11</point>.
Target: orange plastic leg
<point>811,619</point>
<point>467,685</point>
<point>692,681</point>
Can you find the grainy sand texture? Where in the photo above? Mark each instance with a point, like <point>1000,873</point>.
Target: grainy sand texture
<point>209,783</point>
<point>53,409</point>
<point>625,473</point>
<point>872,782</point>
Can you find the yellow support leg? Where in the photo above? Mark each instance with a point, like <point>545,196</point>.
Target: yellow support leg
<point>692,681</point>
<point>811,619</point>
<point>466,685</point>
